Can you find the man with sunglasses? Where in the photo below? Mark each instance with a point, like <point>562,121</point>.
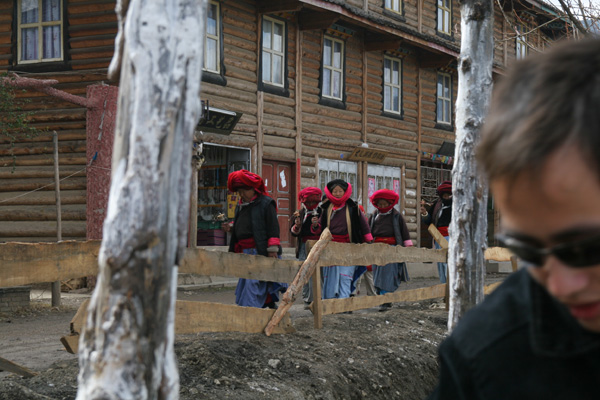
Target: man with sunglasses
<point>538,335</point>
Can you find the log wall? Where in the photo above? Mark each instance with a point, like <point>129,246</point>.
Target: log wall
<point>25,214</point>
<point>280,127</point>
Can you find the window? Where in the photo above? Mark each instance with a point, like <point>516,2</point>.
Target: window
<point>392,85</point>
<point>40,31</point>
<point>444,10</point>
<point>273,52</point>
<point>212,44</point>
<point>394,5</point>
<point>333,169</point>
<point>383,177</point>
<point>444,98</point>
<point>333,71</point>
<point>521,45</point>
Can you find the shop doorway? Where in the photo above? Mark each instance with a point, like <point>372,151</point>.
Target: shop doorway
<point>279,180</point>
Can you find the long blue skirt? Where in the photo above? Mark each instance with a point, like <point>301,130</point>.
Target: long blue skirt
<point>253,293</point>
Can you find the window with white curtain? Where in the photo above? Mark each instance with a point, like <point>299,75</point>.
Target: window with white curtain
<point>444,12</point>
<point>444,98</point>
<point>392,85</point>
<point>212,45</point>
<point>334,169</point>
<point>521,44</point>
<point>394,5</point>
<point>333,68</point>
<point>40,31</point>
<point>273,51</point>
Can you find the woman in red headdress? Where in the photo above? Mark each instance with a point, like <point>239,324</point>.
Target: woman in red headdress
<point>310,198</point>
<point>347,224</point>
<point>440,214</point>
<point>255,231</point>
<point>388,226</point>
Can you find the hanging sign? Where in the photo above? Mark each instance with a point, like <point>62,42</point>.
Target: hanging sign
<point>368,155</point>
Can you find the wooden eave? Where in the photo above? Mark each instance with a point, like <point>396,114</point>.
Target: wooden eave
<point>320,14</point>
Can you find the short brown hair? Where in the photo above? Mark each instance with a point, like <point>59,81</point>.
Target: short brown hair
<point>546,101</point>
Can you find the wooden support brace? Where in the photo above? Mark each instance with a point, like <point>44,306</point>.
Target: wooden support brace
<point>306,270</point>
<point>10,366</point>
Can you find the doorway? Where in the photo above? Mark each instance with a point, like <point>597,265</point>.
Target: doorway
<point>279,180</point>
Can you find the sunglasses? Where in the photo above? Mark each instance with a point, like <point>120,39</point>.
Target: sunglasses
<point>578,254</point>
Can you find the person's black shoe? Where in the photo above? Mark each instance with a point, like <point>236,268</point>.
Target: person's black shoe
<point>385,306</point>
<point>270,305</point>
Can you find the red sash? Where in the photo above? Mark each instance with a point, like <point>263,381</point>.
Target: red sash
<point>388,240</point>
<point>243,244</point>
<point>340,238</point>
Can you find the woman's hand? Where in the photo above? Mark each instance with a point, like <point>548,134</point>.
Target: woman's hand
<point>272,254</point>
<point>315,221</point>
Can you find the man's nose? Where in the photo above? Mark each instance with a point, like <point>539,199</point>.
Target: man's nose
<point>564,281</point>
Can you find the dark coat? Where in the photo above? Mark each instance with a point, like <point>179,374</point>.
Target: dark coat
<point>356,215</point>
<point>264,223</point>
<point>520,343</point>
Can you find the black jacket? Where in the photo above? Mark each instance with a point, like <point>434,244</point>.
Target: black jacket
<point>400,229</point>
<point>305,228</point>
<point>519,343</point>
<point>263,223</point>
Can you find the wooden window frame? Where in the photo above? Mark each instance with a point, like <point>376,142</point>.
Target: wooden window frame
<point>40,25</point>
<point>446,77</point>
<point>333,69</point>
<point>394,6</point>
<point>521,47</point>
<point>392,86</point>
<point>281,53</point>
<point>442,11</point>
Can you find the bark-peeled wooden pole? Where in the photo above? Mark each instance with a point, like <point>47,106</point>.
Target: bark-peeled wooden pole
<point>468,229</point>
<point>126,349</point>
<point>56,284</point>
<point>301,279</point>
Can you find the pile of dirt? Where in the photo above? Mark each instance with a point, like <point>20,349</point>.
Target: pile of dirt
<point>367,354</point>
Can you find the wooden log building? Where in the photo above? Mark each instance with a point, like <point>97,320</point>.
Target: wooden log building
<point>299,91</point>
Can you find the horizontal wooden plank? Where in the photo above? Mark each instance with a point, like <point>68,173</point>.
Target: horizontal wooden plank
<point>377,253</point>
<point>27,263</point>
<point>336,306</point>
<point>498,254</point>
<point>69,212</point>
<point>218,263</point>
<point>41,228</point>
<point>195,316</point>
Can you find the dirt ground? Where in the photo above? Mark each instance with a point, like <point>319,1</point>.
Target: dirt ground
<point>367,354</point>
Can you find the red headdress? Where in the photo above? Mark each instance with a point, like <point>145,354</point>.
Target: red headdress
<point>445,187</point>
<point>310,194</point>
<point>245,179</point>
<point>385,194</point>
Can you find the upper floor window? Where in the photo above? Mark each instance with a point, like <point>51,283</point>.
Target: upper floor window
<point>444,11</point>
<point>394,5</point>
<point>521,44</point>
<point>333,68</point>
<point>273,52</point>
<point>212,44</point>
<point>444,98</point>
<point>40,31</point>
<point>392,85</point>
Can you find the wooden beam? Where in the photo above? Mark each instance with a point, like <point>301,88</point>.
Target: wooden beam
<point>434,60</point>
<point>26,263</point>
<point>197,316</point>
<point>336,306</point>
<point>377,253</point>
<point>438,237</point>
<point>270,6</point>
<point>313,20</point>
<point>218,263</point>
<point>380,45</point>
<point>6,365</point>
<point>498,254</point>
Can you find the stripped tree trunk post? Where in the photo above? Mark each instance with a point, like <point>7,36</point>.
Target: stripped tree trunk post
<point>466,264</point>
<point>126,349</point>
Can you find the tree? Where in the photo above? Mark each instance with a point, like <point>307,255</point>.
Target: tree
<point>126,348</point>
<point>466,267</point>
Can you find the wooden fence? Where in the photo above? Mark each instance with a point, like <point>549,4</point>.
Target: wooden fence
<point>29,263</point>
